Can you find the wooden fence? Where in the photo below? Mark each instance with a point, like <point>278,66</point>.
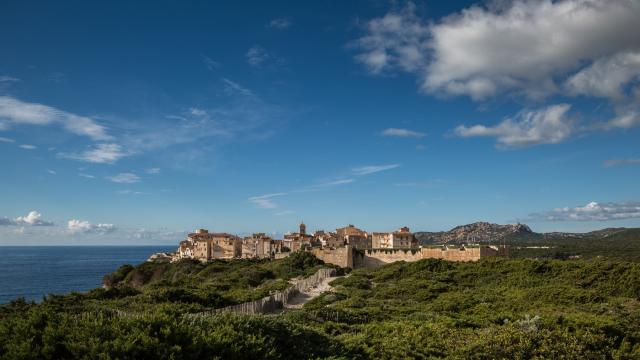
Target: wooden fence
<point>277,300</point>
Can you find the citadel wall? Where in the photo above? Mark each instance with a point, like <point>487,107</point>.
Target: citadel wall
<point>346,257</point>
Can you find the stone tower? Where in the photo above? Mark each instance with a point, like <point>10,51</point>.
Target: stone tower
<point>303,228</point>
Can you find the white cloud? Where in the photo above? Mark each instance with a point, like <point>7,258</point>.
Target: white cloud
<point>210,63</point>
<point>279,23</point>
<point>397,40</point>
<point>153,171</point>
<point>24,113</point>
<point>406,133</point>
<point>88,176</point>
<point>100,154</point>
<point>370,169</point>
<point>623,121</point>
<point>79,226</point>
<point>334,183</point>
<point>548,125</point>
<point>257,55</point>
<point>28,147</point>
<point>7,140</point>
<point>52,172</point>
<point>523,46</point>
<point>243,117</point>
<point>593,211</point>
<point>129,192</point>
<point>34,218</point>
<point>5,78</point>
<point>285,212</point>
<point>232,87</point>
<point>124,178</point>
<point>265,201</point>
<point>422,184</point>
<point>607,77</point>
<point>618,162</point>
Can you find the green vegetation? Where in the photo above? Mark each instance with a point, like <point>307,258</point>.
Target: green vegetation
<point>623,244</point>
<point>495,308</point>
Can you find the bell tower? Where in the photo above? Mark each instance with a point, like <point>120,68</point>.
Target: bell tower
<point>303,228</point>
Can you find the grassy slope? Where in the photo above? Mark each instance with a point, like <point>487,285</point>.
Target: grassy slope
<point>491,309</point>
<point>623,244</point>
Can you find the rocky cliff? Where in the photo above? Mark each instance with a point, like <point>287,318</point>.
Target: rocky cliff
<point>479,232</point>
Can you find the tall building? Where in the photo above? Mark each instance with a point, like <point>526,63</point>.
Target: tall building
<point>257,246</point>
<point>351,235</point>
<point>400,239</point>
<point>203,245</point>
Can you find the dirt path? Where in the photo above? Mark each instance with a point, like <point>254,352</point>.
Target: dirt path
<point>310,293</point>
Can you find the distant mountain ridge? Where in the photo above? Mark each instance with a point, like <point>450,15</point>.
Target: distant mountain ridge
<point>484,232</point>
<point>479,232</point>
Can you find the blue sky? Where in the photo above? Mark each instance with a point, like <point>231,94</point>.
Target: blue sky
<point>126,123</point>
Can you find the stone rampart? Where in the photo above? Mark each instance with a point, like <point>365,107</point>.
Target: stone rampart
<point>347,257</point>
<point>342,256</point>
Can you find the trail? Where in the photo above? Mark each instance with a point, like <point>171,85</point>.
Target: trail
<point>310,293</point>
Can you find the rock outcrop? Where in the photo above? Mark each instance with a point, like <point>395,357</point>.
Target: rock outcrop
<point>479,232</point>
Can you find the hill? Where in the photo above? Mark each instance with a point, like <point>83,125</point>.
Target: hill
<point>621,243</point>
<point>479,232</point>
<point>491,309</point>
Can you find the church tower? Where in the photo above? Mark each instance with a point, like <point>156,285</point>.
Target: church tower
<point>303,228</point>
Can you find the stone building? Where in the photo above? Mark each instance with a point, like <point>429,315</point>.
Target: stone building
<point>257,246</point>
<point>276,246</point>
<point>356,238</point>
<point>203,245</point>
<point>298,240</point>
<point>327,240</point>
<point>401,239</point>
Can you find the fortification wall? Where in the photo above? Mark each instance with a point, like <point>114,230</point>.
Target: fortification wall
<point>342,256</point>
<point>379,257</point>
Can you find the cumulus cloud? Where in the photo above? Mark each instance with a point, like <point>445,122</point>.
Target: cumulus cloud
<point>398,40</point>
<point>406,133</point>
<point>548,125</point>
<point>593,211</point>
<point>34,218</point>
<point>99,154</point>
<point>623,121</point>
<point>371,169</point>
<point>523,46</point>
<point>80,226</point>
<point>124,178</point>
<point>19,112</point>
<point>533,49</point>
<point>279,23</point>
<point>607,77</point>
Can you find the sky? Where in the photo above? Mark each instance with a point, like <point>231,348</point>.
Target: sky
<point>135,122</point>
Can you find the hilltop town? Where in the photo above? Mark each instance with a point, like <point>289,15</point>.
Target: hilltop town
<point>348,246</point>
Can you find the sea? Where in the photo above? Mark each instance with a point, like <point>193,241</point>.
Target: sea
<point>32,272</point>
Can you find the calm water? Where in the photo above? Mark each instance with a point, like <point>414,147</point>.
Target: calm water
<point>34,271</point>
